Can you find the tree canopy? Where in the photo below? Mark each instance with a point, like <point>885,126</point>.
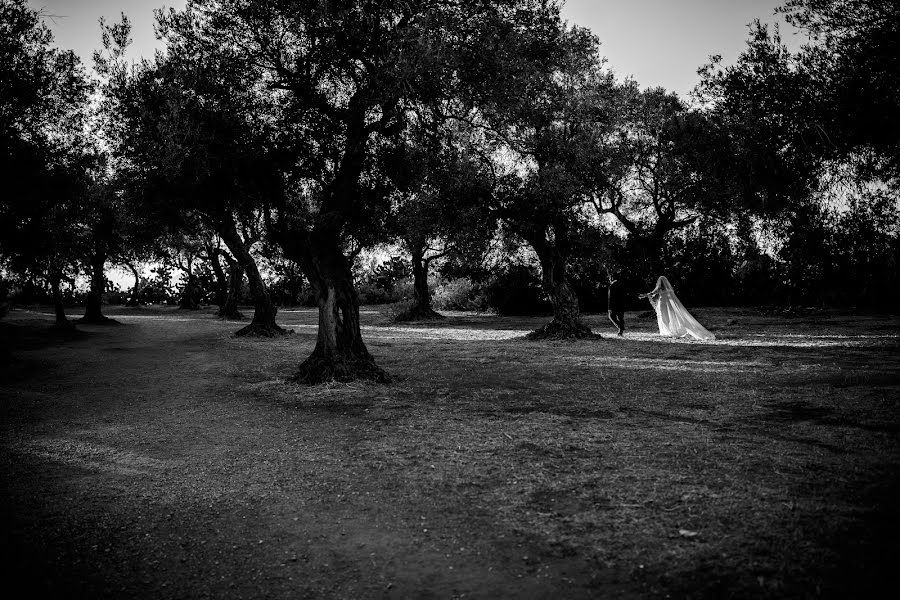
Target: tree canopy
<point>303,133</point>
<point>47,156</point>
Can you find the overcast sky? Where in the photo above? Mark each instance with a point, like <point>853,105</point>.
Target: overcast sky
<point>664,42</point>
<point>657,42</point>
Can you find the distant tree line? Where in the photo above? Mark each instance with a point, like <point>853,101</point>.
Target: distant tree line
<point>271,146</point>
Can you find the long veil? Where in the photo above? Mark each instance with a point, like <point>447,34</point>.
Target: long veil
<point>671,315</point>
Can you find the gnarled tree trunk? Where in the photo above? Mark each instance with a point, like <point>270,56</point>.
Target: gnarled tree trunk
<point>191,292</point>
<point>93,310</point>
<point>421,308</point>
<point>229,310</point>
<point>58,308</point>
<point>134,300</point>
<point>263,323</point>
<point>221,277</point>
<point>566,323</point>
<point>340,353</point>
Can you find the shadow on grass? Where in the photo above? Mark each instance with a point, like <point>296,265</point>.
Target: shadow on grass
<point>802,411</point>
<point>856,558</point>
<point>792,412</point>
<point>562,409</point>
<point>34,334</point>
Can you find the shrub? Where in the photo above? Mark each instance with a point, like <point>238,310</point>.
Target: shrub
<point>116,296</point>
<point>374,293</point>
<point>399,311</point>
<point>458,294</point>
<point>403,290</point>
<point>290,288</point>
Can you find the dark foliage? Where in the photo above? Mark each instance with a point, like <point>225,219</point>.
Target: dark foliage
<point>517,290</point>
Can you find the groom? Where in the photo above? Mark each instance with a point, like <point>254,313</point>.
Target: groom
<point>615,303</point>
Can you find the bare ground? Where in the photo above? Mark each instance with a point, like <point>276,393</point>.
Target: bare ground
<point>165,458</point>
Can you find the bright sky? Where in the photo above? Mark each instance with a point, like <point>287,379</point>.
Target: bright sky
<point>75,26</point>
<point>664,42</point>
<point>657,42</point>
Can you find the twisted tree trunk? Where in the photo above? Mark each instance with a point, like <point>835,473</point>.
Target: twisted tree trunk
<point>229,310</point>
<point>421,308</point>
<point>340,353</point>
<point>58,307</point>
<point>566,323</point>
<point>134,300</point>
<point>93,310</point>
<point>221,277</point>
<point>189,295</point>
<point>263,323</point>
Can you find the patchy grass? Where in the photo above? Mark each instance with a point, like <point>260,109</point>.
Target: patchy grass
<point>167,458</point>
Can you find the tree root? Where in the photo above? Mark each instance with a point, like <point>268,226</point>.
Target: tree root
<point>417,313</point>
<point>316,369</point>
<point>268,330</point>
<point>231,316</point>
<point>101,320</point>
<point>560,330</point>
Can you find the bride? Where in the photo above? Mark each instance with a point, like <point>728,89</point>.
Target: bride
<point>673,318</point>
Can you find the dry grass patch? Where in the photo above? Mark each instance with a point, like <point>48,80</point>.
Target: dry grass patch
<point>763,464</point>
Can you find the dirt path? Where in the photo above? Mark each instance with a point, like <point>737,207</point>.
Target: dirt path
<point>135,465</point>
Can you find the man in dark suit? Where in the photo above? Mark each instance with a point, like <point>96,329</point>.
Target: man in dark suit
<point>615,303</point>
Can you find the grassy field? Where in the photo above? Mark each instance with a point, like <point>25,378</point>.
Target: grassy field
<point>165,458</point>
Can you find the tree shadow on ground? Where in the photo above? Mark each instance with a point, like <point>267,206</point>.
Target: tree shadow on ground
<point>35,334</point>
<point>856,558</point>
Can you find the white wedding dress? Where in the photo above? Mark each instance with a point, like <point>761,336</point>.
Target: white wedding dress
<point>673,318</point>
